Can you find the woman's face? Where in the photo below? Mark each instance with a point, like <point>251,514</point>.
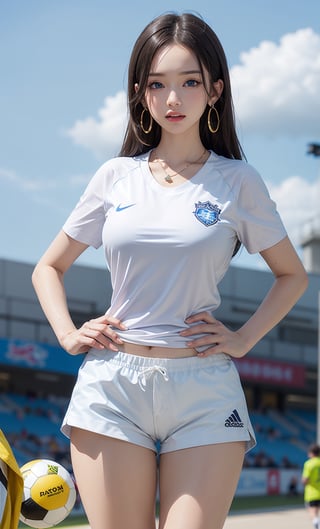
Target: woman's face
<point>176,93</point>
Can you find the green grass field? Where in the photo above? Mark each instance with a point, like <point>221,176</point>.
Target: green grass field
<point>266,502</point>
<point>240,504</point>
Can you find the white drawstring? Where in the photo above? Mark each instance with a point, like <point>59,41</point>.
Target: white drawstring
<point>146,373</point>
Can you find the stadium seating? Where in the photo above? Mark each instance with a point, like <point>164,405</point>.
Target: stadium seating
<point>282,439</point>
<point>32,426</point>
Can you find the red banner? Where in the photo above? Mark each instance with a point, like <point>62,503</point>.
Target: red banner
<point>273,481</point>
<point>271,371</point>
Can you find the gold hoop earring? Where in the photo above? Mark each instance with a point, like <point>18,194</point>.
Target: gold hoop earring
<point>148,130</point>
<point>212,130</point>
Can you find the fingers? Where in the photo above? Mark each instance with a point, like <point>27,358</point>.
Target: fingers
<point>100,334</point>
<point>109,320</point>
<point>207,325</point>
<point>213,337</point>
<point>201,316</point>
<point>213,333</point>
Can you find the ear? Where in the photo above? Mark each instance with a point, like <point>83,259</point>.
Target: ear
<point>217,89</point>
<point>136,88</point>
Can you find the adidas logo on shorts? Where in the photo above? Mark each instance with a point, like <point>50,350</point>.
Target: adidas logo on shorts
<point>234,420</point>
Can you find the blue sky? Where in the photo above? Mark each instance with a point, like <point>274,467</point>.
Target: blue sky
<point>63,76</point>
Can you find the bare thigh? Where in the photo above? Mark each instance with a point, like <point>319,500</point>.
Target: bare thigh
<point>197,485</point>
<point>116,481</point>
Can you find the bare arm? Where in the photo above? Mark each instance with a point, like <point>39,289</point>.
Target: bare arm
<point>290,283</point>
<point>48,281</point>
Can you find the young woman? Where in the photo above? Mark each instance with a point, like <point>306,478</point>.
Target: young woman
<point>170,212</point>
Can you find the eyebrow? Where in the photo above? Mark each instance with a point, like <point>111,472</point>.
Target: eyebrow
<point>187,72</point>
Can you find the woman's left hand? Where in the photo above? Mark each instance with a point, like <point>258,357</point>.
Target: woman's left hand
<point>218,337</point>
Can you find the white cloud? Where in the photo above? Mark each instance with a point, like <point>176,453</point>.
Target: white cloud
<point>298,204</point>
<point>33,185</point>
<point>23,183</point>
<point>103,135</point>
<point>276,86</point>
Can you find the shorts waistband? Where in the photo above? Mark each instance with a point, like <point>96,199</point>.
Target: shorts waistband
<point>171,364</point>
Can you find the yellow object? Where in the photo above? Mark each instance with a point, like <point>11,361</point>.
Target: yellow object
<point>10,517</point>
<point>50,491</point>
<point>311,471</point>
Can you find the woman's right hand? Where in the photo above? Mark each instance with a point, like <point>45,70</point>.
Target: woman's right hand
<point>97,333</point>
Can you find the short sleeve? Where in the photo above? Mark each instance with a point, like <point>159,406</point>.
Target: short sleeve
<point>86,221</point>
<point>259,223</point>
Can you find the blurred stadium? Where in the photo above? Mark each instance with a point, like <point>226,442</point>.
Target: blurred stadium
<point>279,375</point>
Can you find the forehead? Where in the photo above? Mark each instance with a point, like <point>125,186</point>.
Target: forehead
<point>174,58</point>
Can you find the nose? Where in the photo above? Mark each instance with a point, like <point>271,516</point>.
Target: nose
<point>173,99</point>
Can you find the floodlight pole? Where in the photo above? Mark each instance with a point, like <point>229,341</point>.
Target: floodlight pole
<point>314,149</point>
<point>318,378</point>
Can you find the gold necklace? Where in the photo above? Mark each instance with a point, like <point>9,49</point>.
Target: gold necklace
<point>168,177</point>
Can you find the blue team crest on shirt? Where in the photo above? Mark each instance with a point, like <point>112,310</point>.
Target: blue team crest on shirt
<point>207,213</point>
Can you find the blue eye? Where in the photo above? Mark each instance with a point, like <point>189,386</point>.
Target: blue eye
<point>192,82</point>
<point>155,85</point>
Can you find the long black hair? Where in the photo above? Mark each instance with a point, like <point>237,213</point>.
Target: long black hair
<point>193,33</point>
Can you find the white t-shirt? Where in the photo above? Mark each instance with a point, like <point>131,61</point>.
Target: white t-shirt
<point>168,248</point>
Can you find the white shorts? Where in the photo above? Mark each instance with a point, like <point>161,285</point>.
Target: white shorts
<point>163,404</point>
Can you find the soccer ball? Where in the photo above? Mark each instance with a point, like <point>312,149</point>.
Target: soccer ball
<point>49,493</point>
